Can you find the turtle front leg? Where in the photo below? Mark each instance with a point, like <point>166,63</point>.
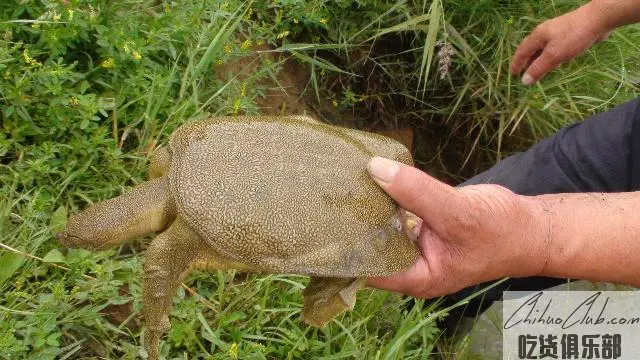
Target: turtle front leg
<point>167,261</point>
<point>325,298</point>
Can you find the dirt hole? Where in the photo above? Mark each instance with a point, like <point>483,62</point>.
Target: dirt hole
<point>435,147</point>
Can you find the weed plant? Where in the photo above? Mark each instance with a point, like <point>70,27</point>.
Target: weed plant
<point>88,89</point>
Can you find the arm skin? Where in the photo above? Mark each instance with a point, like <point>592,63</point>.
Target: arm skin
<point>616,13</point>
<point>485,232</point>
<point>561,39</point>
<point>593,236</point>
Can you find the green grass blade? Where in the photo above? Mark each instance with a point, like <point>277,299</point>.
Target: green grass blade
<point>394,8</point>
<point>223,35</point>
<point>435,12</point>
<point>408,25</point>
<point>322,63</point>
<point>401,338</point>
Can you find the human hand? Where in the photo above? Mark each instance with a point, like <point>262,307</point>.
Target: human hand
<point>557,41</point>
<point>468,235</point>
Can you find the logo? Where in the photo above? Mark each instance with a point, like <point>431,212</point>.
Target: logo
<point>571,325</point>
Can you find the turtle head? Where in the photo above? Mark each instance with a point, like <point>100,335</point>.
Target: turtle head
<point>81,232</point>
<point>67,240</point>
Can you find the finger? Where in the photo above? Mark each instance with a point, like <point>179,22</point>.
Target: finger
<point>412,282</point>
<point>527,50</point>
<point>532,59</point>
<point>431,200</point>
<point>546,62</point>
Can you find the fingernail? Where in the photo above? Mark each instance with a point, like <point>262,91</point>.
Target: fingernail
<point>527,79</point>
<point>383,170</point>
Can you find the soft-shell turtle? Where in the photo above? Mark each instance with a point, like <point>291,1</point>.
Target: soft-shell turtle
<point>259,194</point>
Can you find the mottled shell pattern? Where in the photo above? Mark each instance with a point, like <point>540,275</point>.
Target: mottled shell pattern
<point>289,195</point>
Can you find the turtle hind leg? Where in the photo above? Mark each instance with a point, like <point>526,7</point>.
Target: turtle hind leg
<point>168,259</point>
<point>326,297</point>
<point>145,209</point>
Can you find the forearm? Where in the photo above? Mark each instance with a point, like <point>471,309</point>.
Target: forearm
<point>615,13</point>
<point>592,236</point>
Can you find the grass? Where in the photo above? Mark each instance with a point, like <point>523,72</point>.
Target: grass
<point>88,89</point>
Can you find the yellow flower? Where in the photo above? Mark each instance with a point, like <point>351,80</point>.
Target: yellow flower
<point>283,34</point>
<point>167,8</point>
<point>259,42</point>
<point>70,12</point>
<point>74,101</point>
<point>28,59</point>
<point>246,44</point>
<point>233,351</point>
<point>295,21</point>
<point>243,89</point>
<point>510,20</point>
<point>136,55</point>
<point>228,48</point>
<point>219,62</point>
<point>323,21</point>
<point>108,63</point>
<point>334,102</point>
<point>249,13</point>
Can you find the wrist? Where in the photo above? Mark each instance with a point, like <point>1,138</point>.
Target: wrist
<point>604,15</point>
<point>537,238</point>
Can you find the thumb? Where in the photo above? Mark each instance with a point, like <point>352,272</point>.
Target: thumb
<point>430,199</point>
